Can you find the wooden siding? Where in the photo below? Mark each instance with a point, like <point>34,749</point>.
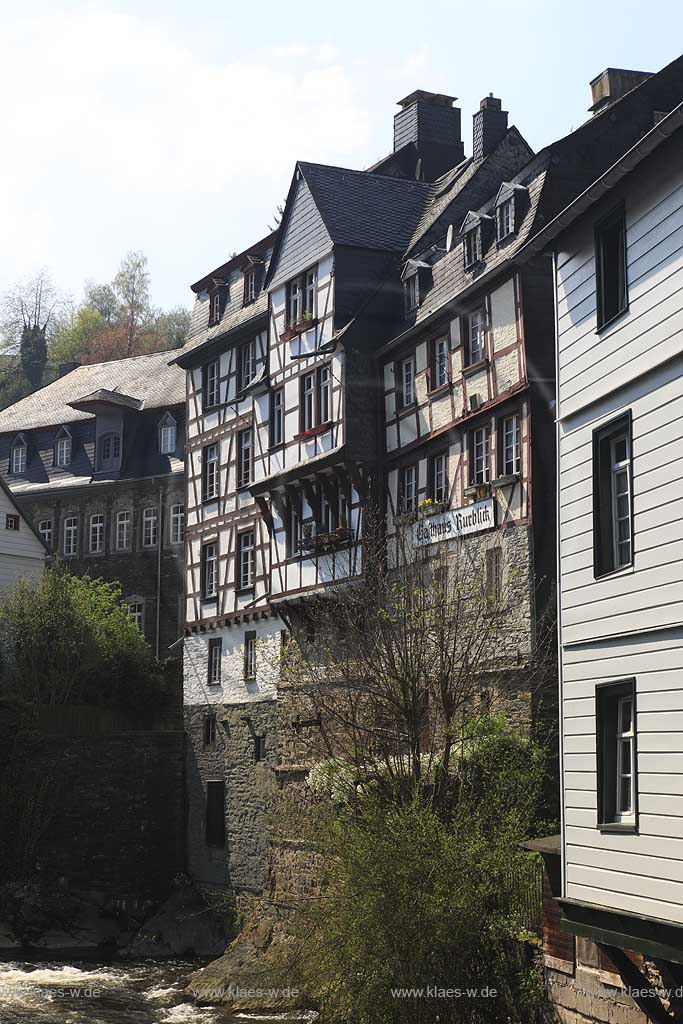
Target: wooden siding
<point>21,553</point>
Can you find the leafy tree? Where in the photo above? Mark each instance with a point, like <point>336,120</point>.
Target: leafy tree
<point>172,328</point>
<point>131,287</point>
<point>75,339</point>
<point>103,300</point>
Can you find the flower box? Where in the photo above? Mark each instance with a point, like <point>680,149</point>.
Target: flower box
<point>296,329</point>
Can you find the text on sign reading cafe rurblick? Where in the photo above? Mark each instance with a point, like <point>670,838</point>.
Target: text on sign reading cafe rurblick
<point>457,522</point>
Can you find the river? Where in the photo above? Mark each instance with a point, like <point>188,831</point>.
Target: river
<point>120,993</point>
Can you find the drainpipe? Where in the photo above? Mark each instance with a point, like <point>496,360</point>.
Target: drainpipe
<point>160,543</point>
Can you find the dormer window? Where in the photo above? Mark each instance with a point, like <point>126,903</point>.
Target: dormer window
<point>477,232</point>
<point>511,202</point>
<point>472,247</point>
<point>62,454</point>
<point>217,299</point>
<point>411,293</point>
<point>504,220</point>
<point>417,279</point>
<point>168,435</point>
<point>18,455</point>
<point>109,452</point>
<point>249,286</point>
<point>301,299</point>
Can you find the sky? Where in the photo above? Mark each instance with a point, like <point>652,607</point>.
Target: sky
<point>173,128</point>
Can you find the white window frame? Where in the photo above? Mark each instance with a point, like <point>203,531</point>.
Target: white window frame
<point>408,489</point>
<point>440,477</point>
<point>620,470</point>
<point>625,739</point>
<point>210,472</point>
<point>215,307</point>
<point>150,527</point>
<point>441,362</point>
<point>476,336</point>
<point>123,526</point>
<point>325,394</point>
<point>168,437</point>
<point>511,445</point>
<point>308,402</point>
<point>246,556</point>
<point>177,524</point>
<point>63,452</point>
<point>19,459</point>
<point>209,570</point>
<point>408,380</point>
<point>45,530</point>
<point>245,457</point>
<point>212,387</point>
<point>277,418</point>
<point>504,219</point>
<point>247,356</point>
<point>70,544</point>
<point>136,611</point>
<point>96,533</point>
<point>412,293</point>
<point>481,459</point>
<point>112,442</point>
<point>215,658</point>
<point>472,247</point>
<point>250,655</point>
<point>249,286</point>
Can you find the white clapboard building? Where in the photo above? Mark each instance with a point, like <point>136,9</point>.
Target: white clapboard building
<point>22,552</point>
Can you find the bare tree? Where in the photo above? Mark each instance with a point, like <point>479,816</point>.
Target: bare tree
<point>131,287</point>
<point>29,314</point>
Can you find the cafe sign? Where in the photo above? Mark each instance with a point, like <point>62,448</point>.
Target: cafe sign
<point>456,522</point>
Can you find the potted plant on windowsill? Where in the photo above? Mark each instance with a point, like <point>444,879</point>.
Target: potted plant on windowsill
<point>430,507</point>
<point>294,330</point>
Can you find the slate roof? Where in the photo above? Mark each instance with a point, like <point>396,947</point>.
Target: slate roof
<point>149,379</point>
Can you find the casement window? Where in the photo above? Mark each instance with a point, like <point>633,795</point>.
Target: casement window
<point>150,527</point>
<point>249,287</point>
<point>328,514</point>
<point>408,489</point>
<point>217,299</point>
<point>307,402</point>
<point>504,220</point>
<point>259,748</point>
<point>209,570</point>
<point>277,418</point>
<point>210,385</point>
<point>71,536</point>
<point>177,524</point>
<point>475,325</point>
<point>610,267</point>
<point>168,435</point>
<point>301,299</point>
<point>616,724</point>
<point>324,394</point>
<point>472,247</point>
<point>479,454</point>
<point>494,573</point>
<point>215,657</point>
<point>123,525</point>
<point>245,453</point>
<point>45,531</point>
<point>612,497</point>
<point>12,521</point>
<point>246,559</point>
<point>407,381</point>
<point>136,611</point>
<point>250,655</point>
<point>110,452</point>
<point>440,363</point>
<point>247,363</point>
<point>411,293</point>
<point>62,457</point>
<point>96,534</point>
<point>215,813</point>
<point>209,732</point>
<point>293,535</point>
<point>210,472</point>
<point>511,446</point>
<point>18,460</point>
<point>438,477</point>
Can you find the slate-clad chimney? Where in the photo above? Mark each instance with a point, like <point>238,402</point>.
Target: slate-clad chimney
<point>429,122</point>
<point>612,83</point>
<point>489,127</point>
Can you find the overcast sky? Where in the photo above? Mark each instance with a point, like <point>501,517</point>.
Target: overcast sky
<point>173,127</point>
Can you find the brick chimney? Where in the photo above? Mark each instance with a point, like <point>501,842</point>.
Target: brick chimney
<point>490,124</point>
<point>430,122</point>
<point>612,83</point>
<point>65,368</point>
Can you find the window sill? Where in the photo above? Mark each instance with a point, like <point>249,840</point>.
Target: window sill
<point>209,501</point>
<point>443,389</point>
<point>478,491</point>
<point>601,328</point>
<point>215,683</point>
<point>619,827</point>
<point>244,591</point>
<point>298,329</point>
<point>209,598</point>
<point>407,407</point>
<point>610,573</point>
<point>276,447</point>
<point>473,368</point>
<point>503,481</point>
<point>306,435</point>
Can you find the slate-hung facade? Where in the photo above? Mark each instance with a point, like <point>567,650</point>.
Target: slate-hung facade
<point>95,461</point>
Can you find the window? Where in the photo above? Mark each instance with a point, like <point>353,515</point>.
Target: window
<point>167,435</point>
<point>612,497</point>
<point>123,521</point>
<point>63,451</point>
<point>245,457</point>
<point>211,386</point>
<point>476,336</point>
<point>494,573</point>
<point>210,472</point>
<point>250,655</point>
<point>307,402</point>
<point>327,514</point>
<point>110,451</point>
<point>209,570</point>
<point>411,293</point>
<point>259,748</point>
<point>71,536</point>
<point>45,531</point>
<point>209,732</point>
<point>438,477</point>
<point>324,394</point>
<point>294,527</point>
<point>215,814</point>
<point>511,459</point>
<point>245,559</point>
<point>136,610</point>
<point>616,749</point>
<point>472,247</point>
<point>610,267</point>
<point>504,220</point>
<point>11,521</point>
<point>247,363</point>
<point>408,495</point>
<point>214,308</point>
<point>150,527</point>
<point>277,418</point>
<point>215,656</point>
<point>301,299</point>
<point>249,287</point>
<point>19,458</point>
<point>440,363</point>
<point>96,542</point>
<point>177,524</point>
<point>407,392</point>
<point>480,455</point>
